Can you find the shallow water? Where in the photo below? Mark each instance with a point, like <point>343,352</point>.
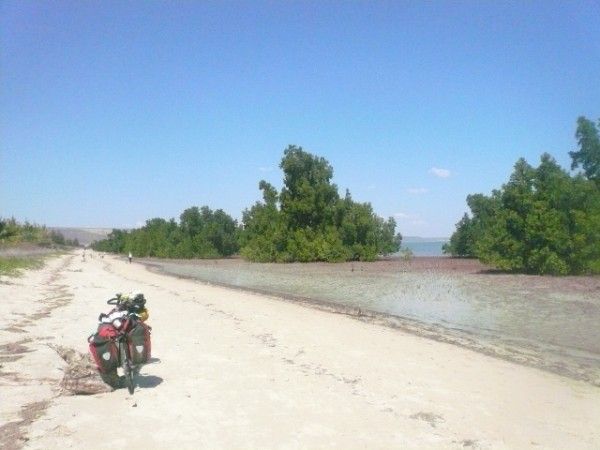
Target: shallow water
<point>425,248</point>
<point>556,321</point>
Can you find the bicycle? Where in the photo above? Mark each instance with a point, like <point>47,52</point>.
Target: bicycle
<point>124,326</point>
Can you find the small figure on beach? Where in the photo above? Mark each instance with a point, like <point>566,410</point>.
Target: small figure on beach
<point>130,256</point>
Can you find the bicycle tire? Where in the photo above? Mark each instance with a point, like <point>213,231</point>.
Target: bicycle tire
<point>127,369</point>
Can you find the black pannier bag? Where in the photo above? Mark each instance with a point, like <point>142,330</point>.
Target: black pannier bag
<point>105,353</point>
<point>139,343</point>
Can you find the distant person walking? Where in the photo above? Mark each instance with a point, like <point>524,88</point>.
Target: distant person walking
<point>130,257</point>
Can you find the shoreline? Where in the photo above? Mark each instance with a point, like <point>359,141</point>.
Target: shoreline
<point>526,354</point>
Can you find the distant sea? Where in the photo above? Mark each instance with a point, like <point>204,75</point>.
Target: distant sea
<point>424,246</point>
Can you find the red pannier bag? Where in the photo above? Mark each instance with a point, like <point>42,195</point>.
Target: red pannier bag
<point>107,331</point>
<point>138,340</point>
<point>105,353</point>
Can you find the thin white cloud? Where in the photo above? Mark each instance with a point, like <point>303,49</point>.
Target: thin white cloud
<point>417,191</point>
<point>441,173</point>
<point>265,169</point>
<point>371,187</point>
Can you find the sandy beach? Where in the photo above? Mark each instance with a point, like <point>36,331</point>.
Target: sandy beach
<point>233,369</point>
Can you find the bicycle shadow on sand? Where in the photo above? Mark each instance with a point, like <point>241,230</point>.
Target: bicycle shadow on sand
<point>149,381</point>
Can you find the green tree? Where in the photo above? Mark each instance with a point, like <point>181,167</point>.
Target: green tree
<point>9,230</point>
<point>503,241</point>
<point>542,221</point>
<point>462,241</point>
<point>209,233</point>
<point>308,198</point>
<point>308,221</point>
<point>588,155</point>
<point>264,235</point>
<point>201,233</point>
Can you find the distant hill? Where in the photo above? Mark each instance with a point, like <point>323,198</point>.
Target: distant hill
<point>85,236</point>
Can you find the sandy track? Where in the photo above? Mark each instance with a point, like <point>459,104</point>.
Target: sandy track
<point>238,370</point>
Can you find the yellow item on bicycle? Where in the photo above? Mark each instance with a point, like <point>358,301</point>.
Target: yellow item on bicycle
<point>143,314</point>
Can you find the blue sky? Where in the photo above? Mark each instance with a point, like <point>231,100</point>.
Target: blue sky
<point>112,113</point>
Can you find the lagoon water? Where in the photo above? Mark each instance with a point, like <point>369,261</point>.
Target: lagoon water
<point>425,247</point>
<point>549,322</point>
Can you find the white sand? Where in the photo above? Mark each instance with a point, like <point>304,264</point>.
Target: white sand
<point>238,370</point>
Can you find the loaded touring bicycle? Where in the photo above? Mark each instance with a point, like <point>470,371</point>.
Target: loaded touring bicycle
<point>122,340</point>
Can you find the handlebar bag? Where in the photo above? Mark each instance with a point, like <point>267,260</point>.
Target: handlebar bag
<point>105,353</point>
<point>138,340</point>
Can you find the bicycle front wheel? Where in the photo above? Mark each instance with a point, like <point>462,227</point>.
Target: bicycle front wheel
<point>127,368</point>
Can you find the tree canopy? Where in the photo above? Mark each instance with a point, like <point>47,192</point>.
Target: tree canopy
<point>543,220</point>
<point>200,233</point>
<point>308,221</point>
<point>588,154</point>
